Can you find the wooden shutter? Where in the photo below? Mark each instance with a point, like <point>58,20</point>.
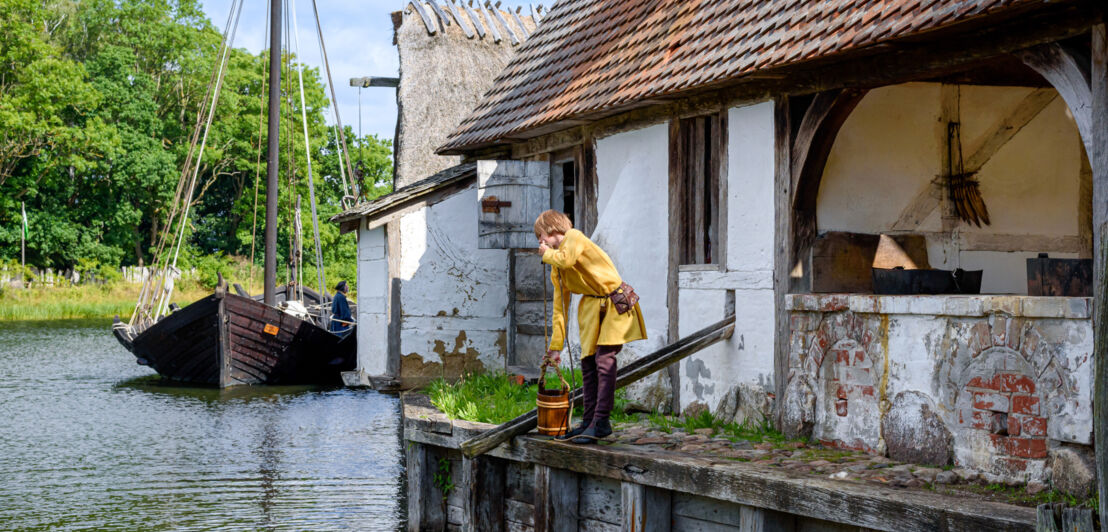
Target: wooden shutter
<point>511,195</point>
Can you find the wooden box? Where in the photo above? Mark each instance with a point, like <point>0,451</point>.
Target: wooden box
<point>1059,277</point>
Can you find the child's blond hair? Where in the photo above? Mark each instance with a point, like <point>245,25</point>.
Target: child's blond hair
<point>552,222</point>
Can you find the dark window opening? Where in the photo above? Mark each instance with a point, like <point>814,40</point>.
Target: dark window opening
<point>697,195</point>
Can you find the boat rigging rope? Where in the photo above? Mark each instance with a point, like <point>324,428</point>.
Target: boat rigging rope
<point>147,296</point>
<point>320,275</point>
<point>258,161</point>
<point>164,304</point>
<point>343,152</point>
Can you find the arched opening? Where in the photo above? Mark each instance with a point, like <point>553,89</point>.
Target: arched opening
<point>877,162</point>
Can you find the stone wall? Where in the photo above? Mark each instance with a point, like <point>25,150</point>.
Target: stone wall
<point>995,383</point>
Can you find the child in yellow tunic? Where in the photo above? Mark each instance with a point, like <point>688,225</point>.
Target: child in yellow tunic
<point>581,267</point>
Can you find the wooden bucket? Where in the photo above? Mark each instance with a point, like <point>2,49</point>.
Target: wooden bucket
<point>553,407</point>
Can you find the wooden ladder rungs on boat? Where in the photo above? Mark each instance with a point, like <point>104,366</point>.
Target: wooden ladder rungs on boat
<point>635,371</point>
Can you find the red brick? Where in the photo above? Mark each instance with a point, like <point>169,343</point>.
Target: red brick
<point>859,356</point>
<point>981,338</point>
<point>840,407</point>
<point>1027,447</point>
<point>981,420</point>
<point>842,356</point>
<point>1014,382</point>
<point>1013,465</point>
<point>1032,425</point>
<point>840,392</point>
<point>990,401</point>
<point>1013,426</point>
<point>820,339</point>
<point>866,390</point>
<point>979,382</point>
<point>1025,404</point>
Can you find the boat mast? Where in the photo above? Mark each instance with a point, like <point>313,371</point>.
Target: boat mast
<point>272,161</point>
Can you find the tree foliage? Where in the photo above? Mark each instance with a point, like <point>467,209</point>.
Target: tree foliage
<point>98,103</point>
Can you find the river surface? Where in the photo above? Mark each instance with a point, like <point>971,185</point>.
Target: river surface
<point>89,440</point>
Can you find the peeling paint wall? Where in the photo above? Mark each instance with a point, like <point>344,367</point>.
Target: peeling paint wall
<point>746,360</point>
<point>1010,377</point>
<point>453,296</point>
<point>891,147</point>
<point>373,318</point>
<point>632,227</point>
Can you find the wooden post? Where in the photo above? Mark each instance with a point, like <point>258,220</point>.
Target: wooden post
<point>782,249</point>
<point>425,501</point>
<point>484,482</point>
<point>645,509</point>
<point>556,493</point>
<point>1098,159</point>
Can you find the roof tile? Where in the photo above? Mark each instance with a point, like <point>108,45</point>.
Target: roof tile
<point>595,55</point>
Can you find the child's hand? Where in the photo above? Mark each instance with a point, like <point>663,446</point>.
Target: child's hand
<point>542,249</point>
<point>552,358</point>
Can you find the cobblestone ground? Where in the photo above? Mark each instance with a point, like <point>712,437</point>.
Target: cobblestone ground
<point>818,461</point>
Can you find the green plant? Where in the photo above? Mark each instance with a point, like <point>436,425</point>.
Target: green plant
<point>442,478</point>
<point>660,422</point>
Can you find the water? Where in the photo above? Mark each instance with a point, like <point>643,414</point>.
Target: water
<point>91,440</point>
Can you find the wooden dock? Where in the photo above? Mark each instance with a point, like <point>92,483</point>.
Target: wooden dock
<point>535,484</point>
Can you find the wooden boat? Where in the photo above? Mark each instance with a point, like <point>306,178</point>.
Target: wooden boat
<point>228,340</point>
<point>232,339</point>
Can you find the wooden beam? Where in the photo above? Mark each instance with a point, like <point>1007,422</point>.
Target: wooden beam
<point>676,199</point>
<point>984,148</point>
<point>783,257</point>
<point>374,81</point>
<point>1098,159</point>
<point>1069,73</point>
<point>628,374</point>
<point>810,148</point>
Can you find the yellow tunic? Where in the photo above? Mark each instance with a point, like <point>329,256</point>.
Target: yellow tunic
<point>581,267</point>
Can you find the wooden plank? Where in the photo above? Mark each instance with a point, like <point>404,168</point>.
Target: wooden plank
<point>644,509</point>
<point>556,493</point>
<point>496,13</point>
<point>457,13</point>
<point>632,372</point>
<point>484,481</point>
<point>415,455</point>
<point>395,309</point>
<point>692,524</point>
<point>519,512</point>
<point>1077,520</point>
<point>1098,159</point>
<point>599,499</point>
<point>496,38</point>
<point>707,509</point>
<point>593,525</point>
<point>1085,208</point>
<point>224,345</point>
<point>926,200</point>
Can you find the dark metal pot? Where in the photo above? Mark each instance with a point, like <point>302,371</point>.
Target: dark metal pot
<point>898,281</point>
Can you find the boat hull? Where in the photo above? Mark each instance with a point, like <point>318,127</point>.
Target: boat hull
<point>228,340</point>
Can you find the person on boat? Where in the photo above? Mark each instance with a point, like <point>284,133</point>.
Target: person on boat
<point>340,309</point>
<point>608,316</point>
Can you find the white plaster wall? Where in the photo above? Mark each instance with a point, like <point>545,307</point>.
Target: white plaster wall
<point>632,171</point>
<point>747,358</point>
<point>373,321</point>
<point>453,295</point>
<point>890,147</point>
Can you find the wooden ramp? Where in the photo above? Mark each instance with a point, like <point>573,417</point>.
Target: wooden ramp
<point>634,371</point>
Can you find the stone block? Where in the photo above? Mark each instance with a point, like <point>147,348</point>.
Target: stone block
<point>1009,305</point>
<point>1079,308</point>
<point>744,402</point>
<point>694,409</point>
<point>866,304</point>
<point>1073,470</point>
<point>915,433</point>
<point>1044,307</point>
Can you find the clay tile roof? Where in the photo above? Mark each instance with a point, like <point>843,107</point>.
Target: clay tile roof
<point>600,55</point>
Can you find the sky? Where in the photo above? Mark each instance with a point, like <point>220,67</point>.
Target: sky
<point>358,37</point>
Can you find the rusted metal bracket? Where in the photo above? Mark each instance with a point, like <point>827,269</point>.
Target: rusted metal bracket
<point>492,204</point>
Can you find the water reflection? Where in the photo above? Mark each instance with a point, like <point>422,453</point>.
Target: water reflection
<point>92,440</point>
